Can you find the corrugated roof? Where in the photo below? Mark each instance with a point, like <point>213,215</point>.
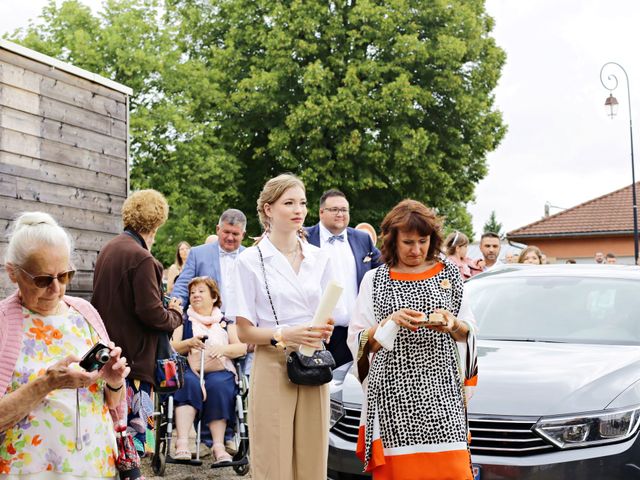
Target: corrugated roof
<point>67,67</point>
<point>611,213</point>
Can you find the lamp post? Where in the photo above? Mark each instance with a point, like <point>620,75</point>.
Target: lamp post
<point>611,104</point>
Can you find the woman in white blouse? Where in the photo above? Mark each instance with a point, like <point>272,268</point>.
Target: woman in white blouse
<point>288,423</point>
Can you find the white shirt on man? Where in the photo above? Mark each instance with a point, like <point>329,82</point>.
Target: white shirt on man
<point>295,296</point>
<point>344,267</point>
<point>227,267</point>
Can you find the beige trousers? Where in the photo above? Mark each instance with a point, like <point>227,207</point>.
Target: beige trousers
<point>288,424</point>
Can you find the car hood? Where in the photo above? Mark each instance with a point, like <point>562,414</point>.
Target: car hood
<point>538,378</point>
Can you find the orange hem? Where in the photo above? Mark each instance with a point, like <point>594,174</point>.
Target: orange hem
<point>449,465</point>
<point>409,277</point>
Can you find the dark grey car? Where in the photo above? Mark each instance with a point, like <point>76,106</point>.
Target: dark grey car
<point>559,368</point>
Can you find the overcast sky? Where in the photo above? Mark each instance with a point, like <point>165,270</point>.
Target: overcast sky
<point>560,148</point>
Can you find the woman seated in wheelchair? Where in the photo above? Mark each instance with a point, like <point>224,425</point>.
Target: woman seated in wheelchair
<point>206,331</point>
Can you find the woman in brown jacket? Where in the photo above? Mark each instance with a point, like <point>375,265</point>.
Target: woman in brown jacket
<point>127,292</point>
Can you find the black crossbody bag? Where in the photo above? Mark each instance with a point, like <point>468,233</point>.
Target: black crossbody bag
<point>302,370</point>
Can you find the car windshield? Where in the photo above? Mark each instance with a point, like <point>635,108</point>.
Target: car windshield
<point>556,309</point>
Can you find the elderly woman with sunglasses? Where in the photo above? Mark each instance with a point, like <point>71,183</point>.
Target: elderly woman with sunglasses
<point>54,416</point>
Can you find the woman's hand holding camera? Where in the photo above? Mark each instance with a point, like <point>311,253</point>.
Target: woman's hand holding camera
<point>115,370</point>
<point>308,335</point>
<point>61,375</point>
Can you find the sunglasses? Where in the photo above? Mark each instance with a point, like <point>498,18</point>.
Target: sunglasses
<point>43,281</point>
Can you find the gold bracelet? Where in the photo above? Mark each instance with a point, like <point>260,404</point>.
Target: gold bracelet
<point>364,339</point>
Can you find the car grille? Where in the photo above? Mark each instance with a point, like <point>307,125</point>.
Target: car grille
<point>347,427</point>
<point>489,435</point>
<point>500,436</point>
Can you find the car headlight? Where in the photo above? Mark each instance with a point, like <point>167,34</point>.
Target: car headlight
<point>590,429</point>
<point>337,412</point>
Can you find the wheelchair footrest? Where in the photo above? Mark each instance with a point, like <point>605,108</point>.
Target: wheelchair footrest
<point>236,463</point>
<point>192,462</point>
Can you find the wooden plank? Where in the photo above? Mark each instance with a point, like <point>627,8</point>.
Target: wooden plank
<point>80,259</point>
<point>35,104</point>
<point>27,167</point>
<point>86,240</point>
<point>66,216</point>
<point>35,147</point>
<point>61,132</point>
<point>8,186</point>
<point>59,90</point>
<point>51,193</point>
<point>53,72</point>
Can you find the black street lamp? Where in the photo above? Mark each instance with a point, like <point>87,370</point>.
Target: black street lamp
<point>611,104</point>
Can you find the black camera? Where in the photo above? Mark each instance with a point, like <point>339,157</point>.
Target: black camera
<point>95,358</point>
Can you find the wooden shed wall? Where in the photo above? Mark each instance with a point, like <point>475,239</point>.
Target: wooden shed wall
<point>63,150</point>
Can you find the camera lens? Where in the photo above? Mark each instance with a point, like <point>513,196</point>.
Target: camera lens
<point>103,356</point>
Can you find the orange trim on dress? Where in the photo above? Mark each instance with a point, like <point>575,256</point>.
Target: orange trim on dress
<point>409,277</point>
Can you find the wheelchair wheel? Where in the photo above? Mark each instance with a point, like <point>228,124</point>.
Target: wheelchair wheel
<point>241,470</point>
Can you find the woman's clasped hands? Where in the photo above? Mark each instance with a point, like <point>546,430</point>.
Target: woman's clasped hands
<point>443,320</point>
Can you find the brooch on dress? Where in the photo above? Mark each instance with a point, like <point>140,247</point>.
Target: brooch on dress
<point>445,284</point>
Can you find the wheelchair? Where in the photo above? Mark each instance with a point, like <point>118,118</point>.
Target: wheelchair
<point>163,412</point>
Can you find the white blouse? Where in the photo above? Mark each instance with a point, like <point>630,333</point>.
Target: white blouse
<point>295,296</point>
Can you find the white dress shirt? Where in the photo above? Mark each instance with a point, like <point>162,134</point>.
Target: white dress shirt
<point>295,296</point>
<point>227,267</point>
<point>344,267</point>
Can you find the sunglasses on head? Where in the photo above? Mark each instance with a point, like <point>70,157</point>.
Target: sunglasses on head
<point>43,281</point>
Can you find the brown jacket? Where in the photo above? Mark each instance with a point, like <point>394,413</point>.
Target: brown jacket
<point>127,292</point>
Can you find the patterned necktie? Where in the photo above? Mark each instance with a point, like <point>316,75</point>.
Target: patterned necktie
<point>333,238</point>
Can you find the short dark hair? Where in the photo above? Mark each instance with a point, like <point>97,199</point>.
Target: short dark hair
<point>334,192</point>
<point>489,235</point>
<point>610,255</point>
<point>410,216</point>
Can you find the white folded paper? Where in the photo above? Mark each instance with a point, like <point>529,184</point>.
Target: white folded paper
<point>328,302</point>
<point>386,334</point>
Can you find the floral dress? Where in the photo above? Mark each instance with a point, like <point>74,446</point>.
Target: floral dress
<point>44,442</point>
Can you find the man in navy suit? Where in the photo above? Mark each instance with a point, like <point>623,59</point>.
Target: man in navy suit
<point>216,259</point>
<point>353,254</point>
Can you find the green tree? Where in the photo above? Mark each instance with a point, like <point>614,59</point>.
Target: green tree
<point>492,225</point>
<point>383,100</point>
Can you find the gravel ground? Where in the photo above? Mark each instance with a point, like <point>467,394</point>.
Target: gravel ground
<point>186,472</point>
<point>183,472</point>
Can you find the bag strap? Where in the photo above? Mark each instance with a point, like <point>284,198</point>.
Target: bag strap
<point>266,284</point>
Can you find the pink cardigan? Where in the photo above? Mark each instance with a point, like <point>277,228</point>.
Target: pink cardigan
<point>11,331</point>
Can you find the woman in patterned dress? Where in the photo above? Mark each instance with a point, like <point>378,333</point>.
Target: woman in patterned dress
<point>413,424</point>
<point>54,416</point>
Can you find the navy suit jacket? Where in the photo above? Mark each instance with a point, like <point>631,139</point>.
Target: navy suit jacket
<point>203,261</point>
<point>361,245</point>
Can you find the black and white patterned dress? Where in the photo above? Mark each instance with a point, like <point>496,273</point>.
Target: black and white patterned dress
<point>415,405</point>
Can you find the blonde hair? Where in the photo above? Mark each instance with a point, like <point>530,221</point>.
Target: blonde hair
<point>32,230</point>
<point>145,211</point>
<point>272,191</point>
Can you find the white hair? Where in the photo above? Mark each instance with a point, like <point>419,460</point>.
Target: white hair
<point>32,230</point>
